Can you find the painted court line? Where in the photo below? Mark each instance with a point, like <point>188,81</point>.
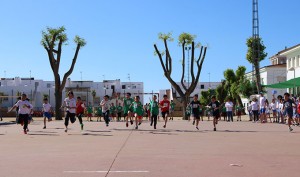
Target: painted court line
<point>106,171</point>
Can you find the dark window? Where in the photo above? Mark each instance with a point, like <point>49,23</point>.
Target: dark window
<point>202,86</point>
<point>123,86</point>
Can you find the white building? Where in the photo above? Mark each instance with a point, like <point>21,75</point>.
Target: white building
<point>36,90</point>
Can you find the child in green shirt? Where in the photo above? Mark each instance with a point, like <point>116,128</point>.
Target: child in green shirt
<point>137,111</point>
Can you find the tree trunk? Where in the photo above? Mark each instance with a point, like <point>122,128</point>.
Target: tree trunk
<point>184,105</point>
<point>58,103</point>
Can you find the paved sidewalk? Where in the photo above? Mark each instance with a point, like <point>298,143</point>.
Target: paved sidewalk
<point>236,149</point>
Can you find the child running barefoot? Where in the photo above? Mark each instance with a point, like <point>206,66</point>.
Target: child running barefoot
<point>195,105</point>
<point>70,105</point>
<point>24,106</point>
<point>137,110</point>
<point>154,110</point>
<point>80,110</point>
<point>126,107</point>
<point>165,107</point>
<point>46,112</point>
<point>215,105</point>
<point>105,104</point>
<point>288,107</point>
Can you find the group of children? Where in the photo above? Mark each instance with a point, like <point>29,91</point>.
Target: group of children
<point>284,109</point>
<point>133,110</point>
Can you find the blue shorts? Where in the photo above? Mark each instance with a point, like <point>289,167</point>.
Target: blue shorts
<point>48,115</point>
<point>262,110</point>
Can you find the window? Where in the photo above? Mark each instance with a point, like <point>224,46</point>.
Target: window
<point>134,86</point>
<point>123,86</point>
<point>202,86</point>
<point>48,85</point>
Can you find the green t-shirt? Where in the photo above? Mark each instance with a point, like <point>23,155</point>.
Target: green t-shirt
<point>99,111</point>
<point>127,103</point>
<point>154,107</point>
<point>172,104</point>
<point>90,109</point>
<point>224,109</point>
<point>119,108</point>
<point>137,108</point>
<point>112,109</point>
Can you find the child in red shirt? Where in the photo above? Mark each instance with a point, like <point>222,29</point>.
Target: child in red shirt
<point>165,107</point>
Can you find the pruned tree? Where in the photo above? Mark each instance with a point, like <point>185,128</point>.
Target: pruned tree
<point>52,40</point>
<point>185,39</point>
<point>255,54</point>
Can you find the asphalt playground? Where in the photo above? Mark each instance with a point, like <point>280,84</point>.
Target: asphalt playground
<point>236,149</point>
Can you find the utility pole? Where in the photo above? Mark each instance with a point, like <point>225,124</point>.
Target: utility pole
<point>255,45</point>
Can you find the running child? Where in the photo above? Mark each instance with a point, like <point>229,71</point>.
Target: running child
<point>137,111</point>
<point>80,111</point>
<point>195,105</point>
<point>105,104</point>
<point>215,105</point>
<point>288,107</point>
<point>30,112</point>
<point>154,111</point>
<point>127,101</point>
<point>70,105</point>
<point>46,112</point>
<point>23,106</point>
<point>165,107</point>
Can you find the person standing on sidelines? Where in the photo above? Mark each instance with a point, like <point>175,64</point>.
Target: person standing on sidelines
<point>70,105</point>
<point>215,105</point>
<point>80,111</point>
<point>119,111</point>
<point>105,104</point>
<point>127,101</point>
<point>229,106</point>
<point>23,106</point>
<point>172,108</point>
<point>262,105</point>
<point>165,107</point>
<point>195,105</point>
<point>46,112</point>
<point>154,111</point>
<point>288,107</point>
<point>89,110</point>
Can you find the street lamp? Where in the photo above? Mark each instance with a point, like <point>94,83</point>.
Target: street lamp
<point>293,69</point>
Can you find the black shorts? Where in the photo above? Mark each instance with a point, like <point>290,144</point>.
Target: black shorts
<point>196,115</point>
<point>163,114</point>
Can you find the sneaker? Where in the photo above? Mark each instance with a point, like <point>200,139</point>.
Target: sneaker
<point>136,127</point>
<point>131,122</point>
<point>154,127</point>
<point>215,129</point>
<point>66,130</point>
<point>197,128</point>
<point>151,124</point>
<point>107,125</point>
<point>126,124</point>
<point>193,122</point>
<point>140,123</point>
<point>81,126</point>
<point>164,126</point>
<point>44,127</point>
<point>25,132</point>
<point>290,128</point>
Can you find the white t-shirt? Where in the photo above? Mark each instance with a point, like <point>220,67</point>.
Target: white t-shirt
<point>254,106</point>
<point>46,107</point>
<point>105,105</point>
<point>273,106</point>
<point>228,106</point>
<point>280,106</point>
<point>262,102</point>
<point>70,103</point>
<point>23,106</point>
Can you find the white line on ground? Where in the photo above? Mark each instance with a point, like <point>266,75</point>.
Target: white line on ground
<point>106,171</point>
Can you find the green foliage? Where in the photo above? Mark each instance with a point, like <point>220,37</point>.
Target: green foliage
<point>221,92</point>
<point>186,38</point>
<point>167,37</point>
<point>53,33</point>
<point>79,41</point>
<point>229,76</point>
<point>205,98</point>
<point>258,44</point>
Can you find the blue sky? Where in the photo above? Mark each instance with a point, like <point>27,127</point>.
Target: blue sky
<point>120,35</point>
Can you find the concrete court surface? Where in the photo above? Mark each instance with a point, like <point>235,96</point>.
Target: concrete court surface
<point>241,149</point>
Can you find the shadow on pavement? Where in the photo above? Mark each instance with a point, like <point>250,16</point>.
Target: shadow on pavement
<point>42,134</point>
<point>7,123</point>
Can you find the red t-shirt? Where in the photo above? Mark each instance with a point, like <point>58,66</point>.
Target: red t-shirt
<point>298,108</point>
<point>79,108</point>
<point>165,105</point>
